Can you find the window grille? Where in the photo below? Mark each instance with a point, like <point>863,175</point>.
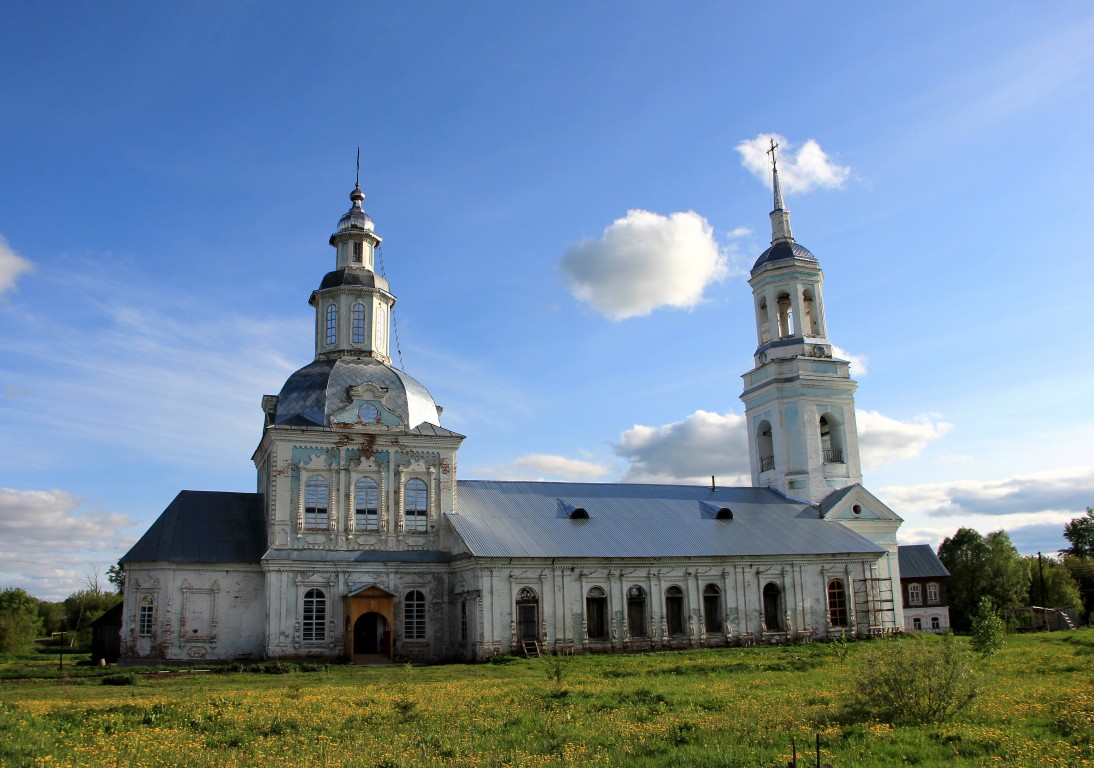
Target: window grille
<point>414,616</point>
<point>332,323</point>
<point>316,504</point>
<point>313,624</point>
<point>146,616</point>
<point>837,603</point>
<point>367,505</point>
<point>416,505</point>
<point>358,323</point>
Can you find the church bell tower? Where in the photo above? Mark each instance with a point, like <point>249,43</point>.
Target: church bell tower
<point>799,399</point>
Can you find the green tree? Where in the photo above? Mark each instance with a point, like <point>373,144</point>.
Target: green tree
<point>19,622</point>
<point>52,616</point>
<point>115,574</point>
<point>1052,585</point>
<point>1082,571</point>
<point>982,566</point>
<point>989,634</point>
<point>1080,533</point>
<point>83,607</point>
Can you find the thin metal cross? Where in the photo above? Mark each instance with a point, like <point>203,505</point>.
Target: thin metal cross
<point>774,153</point>
<point>358,165</point>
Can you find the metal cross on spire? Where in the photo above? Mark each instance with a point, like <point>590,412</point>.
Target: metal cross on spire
<point>774,152</point>
<point>358,184</point>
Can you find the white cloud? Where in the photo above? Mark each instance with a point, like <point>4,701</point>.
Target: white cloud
<point>799,171</point>
<point>543,466</point>
<point>858,363</point>
<point>1024,499</point>
<point>688,451</point>
<point>883,440</point>
<point>48,544</point>
<point>12,265</point>
<point>739,232</point>
<point>644,261</point>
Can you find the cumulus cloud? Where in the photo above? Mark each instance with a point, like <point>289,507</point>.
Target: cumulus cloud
<point>883,440</point>
<point>644,261</point>
<point>688,451</point>
<point>48,543</point>
<point>801,168</point>
<point>543,466</point>
<point>12,265</point>
<point>1024,499</point>
<point>858,362</point>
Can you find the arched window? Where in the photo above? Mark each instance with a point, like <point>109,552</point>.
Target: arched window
<point>637,623</point>
<point>316,504</point>
<point>712,608</point>
<point>837,603</point>
<point>933,596</point>
<point>313,623</point>
<point>917,624</point>
<point>146,616</point>
<point>765,447</point>
<point>381,329</point>
<point>786,315</point>
<point>368,413</point>
<point>414,615</point>
<point>831,435</point>
<point>810,321</point>
<point>527,614</point>
<point>358,322</point>
<point>674,611</point>
<point>915,594</point>
<point>366,505</point>
<point>596,613</point>
<point>765,322</point>
<point>416,505</point>
<point>773,608</point>
<point>332,323</point>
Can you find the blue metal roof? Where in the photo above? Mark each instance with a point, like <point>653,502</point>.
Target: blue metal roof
<point>918,561</point>
<point>783,251</point>
<point>204,527</point>
<point>521,519</point>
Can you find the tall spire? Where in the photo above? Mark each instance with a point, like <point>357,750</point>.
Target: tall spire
<point>780,217</point>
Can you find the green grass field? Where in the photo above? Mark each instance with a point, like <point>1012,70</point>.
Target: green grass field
<point>729,707</point>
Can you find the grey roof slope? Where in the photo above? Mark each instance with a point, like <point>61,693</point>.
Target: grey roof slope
<point>204,527</point>
<point>526,519</point>
<point>918,561</point>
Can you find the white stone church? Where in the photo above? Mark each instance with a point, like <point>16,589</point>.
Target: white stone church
<point>360,543</point>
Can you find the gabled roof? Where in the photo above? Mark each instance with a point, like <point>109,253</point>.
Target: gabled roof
<point>204,527</point>
<point>853,502</point>
<point>918,561</point>
<point>521,519</point>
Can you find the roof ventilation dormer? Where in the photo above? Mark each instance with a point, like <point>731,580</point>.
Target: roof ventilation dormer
<point>714,511</point>
<point>572,511</point>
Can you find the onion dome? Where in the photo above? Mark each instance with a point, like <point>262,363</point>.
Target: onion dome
<point>355,217</point>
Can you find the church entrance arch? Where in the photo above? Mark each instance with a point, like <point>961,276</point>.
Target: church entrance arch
<point>527,614</point>
<point>369,619</point>
<point>370,633</point>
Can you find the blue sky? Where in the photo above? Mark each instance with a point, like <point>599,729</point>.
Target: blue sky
<point>170,176</point>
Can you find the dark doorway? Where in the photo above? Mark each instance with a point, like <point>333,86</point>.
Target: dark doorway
<point>773,613</point>
<point>527,614</point>
<point>369,634</point>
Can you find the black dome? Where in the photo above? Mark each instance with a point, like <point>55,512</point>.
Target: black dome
<point>783,251</point>
<point>358,276</point>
